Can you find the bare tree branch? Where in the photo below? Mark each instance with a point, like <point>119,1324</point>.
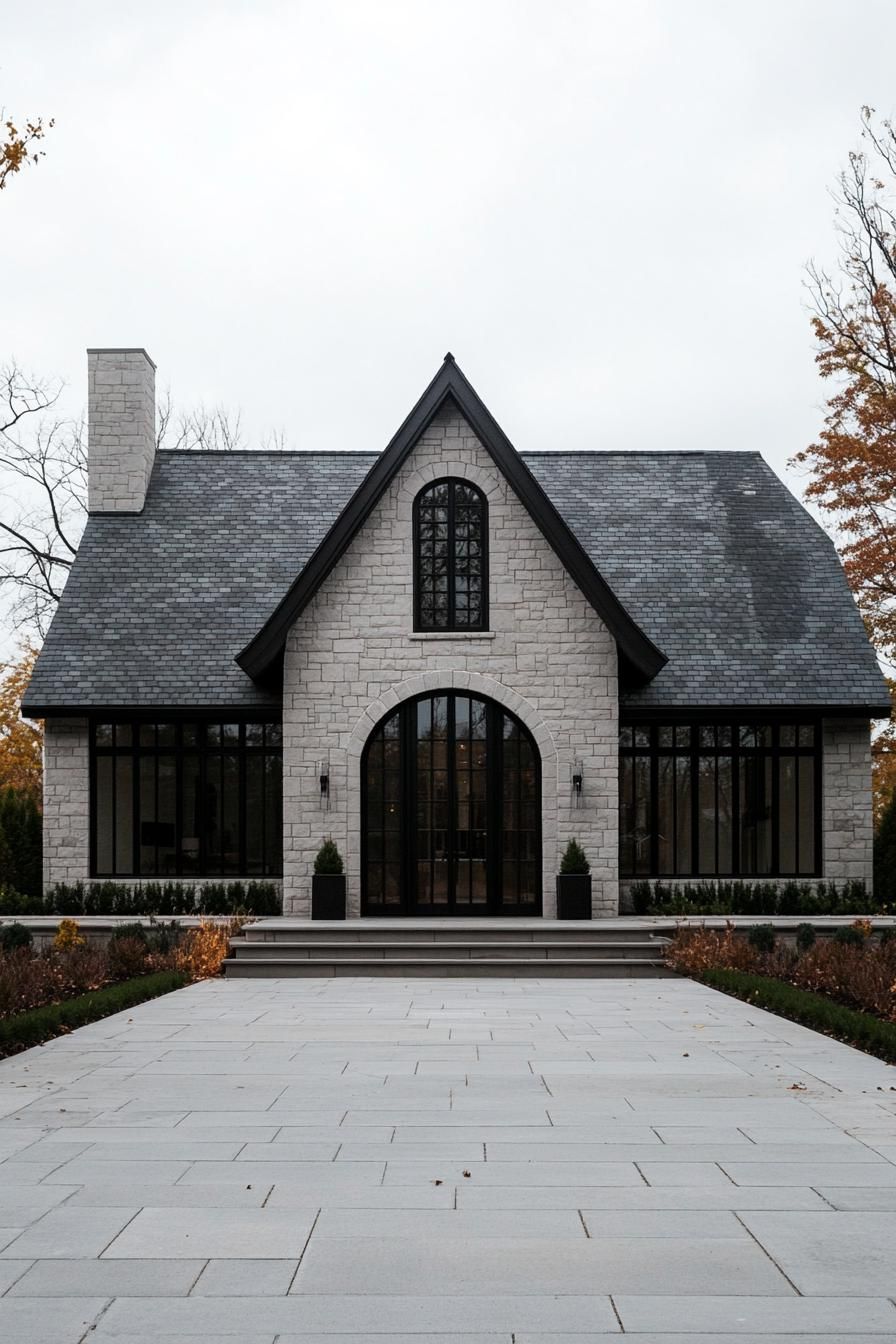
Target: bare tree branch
<point>43,485</point>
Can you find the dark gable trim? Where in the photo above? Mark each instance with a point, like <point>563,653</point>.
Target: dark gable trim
<point>640,659</point>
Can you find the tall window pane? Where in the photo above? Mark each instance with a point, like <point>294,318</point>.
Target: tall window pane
<point>806,815</point>
<point>105,815</point>
<point>787,814</point>
<point>450,557</point>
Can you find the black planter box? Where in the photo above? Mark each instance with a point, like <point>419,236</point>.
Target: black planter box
<point>573,895</point>
<point>328,896</point>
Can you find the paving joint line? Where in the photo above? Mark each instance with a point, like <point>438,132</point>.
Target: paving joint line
<point>767,1253</point>
<point>622,1329</point>
<point>302,1255</point>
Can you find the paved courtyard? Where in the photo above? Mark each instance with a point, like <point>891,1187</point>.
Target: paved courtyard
<point>518,1162</point>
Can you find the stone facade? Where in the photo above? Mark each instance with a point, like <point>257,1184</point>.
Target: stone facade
<point>847,819</point>
<point>353,656</point>
<point>121,416</point>
<point>66,801</point>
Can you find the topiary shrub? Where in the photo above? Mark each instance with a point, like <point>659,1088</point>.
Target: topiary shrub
<point>574,860</point>
<point>14,936</point>
<point>328,860</point>
<point>762,937</point>
<point>805,936</point>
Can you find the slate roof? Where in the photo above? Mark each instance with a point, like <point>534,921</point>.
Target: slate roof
<point>708,552</point>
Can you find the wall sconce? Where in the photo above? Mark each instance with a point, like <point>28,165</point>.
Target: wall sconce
<point>577,779</point>
<point>323,774</point>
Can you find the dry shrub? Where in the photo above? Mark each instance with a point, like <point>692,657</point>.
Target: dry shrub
<point>68,935</point>
<point>860,976</point>
<point>128,957</point>
<point>694,950</point>
<point>203,950</point>
<point>28,980</point>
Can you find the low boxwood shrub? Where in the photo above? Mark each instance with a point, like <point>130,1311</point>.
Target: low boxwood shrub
<point>805,936</point>
<point>754,898</point>
<point>146,898</point>
<point>763,937</point>
<point>811,1010</point>
<point>22,1030</point>
<point>13,936</point>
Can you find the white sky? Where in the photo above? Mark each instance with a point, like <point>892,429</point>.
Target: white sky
<point>603,209</point>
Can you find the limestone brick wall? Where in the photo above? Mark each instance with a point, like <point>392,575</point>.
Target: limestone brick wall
<point>66,801</point>
<point>847,824</point>
<point>121,429</point>
<point>353,656</point>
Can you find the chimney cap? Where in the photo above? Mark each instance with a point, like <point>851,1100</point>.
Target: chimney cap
<point>121,350</point>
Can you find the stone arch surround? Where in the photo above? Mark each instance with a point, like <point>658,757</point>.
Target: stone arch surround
<point>476,684</point>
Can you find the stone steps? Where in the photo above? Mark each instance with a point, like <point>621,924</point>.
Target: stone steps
<point>538,948</point>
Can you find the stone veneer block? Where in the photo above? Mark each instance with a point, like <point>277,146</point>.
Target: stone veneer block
<point>121,429</point>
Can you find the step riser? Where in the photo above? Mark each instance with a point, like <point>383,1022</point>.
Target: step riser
<point>411,970</point>
<point>448,938</point>
<point>538,956</point>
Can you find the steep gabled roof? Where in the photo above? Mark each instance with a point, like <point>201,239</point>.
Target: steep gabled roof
<point>708,551</point>
<point>640,659</point>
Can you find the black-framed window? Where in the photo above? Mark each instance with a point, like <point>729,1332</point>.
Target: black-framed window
<point>450,557</point>
<point>186,799</point>
<point>730,799</point>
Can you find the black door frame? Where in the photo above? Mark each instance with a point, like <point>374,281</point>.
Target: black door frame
<point>495,712</point>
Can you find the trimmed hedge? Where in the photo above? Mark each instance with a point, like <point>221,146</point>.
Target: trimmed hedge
<point>862,1030</point>
<point>754,898</point>
<point>147,898</point>
<point>42,1024</point>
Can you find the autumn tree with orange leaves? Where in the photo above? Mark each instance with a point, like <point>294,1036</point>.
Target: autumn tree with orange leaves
<point>853,463</point>
<point>18,147</point>
<point>21,740</point>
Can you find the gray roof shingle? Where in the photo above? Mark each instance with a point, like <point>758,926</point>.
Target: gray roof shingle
<point>709,553</point>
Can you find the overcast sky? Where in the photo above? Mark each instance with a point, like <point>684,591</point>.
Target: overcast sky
<point>603,209</point>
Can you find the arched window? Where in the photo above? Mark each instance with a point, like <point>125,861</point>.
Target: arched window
<point>450,557</point>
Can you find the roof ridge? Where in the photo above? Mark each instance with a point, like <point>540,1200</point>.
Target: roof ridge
<point>269,452</point>
<point>642,452</point>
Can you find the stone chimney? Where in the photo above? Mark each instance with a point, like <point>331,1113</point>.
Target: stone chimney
<point>121,429</point>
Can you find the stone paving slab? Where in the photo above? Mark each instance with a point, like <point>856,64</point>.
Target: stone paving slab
<point>444,1161</point>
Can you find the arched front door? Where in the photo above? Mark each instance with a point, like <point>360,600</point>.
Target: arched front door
<point>451,813</point>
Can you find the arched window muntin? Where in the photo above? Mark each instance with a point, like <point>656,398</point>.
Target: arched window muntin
<point>458,734</point>
<point>450,556</point>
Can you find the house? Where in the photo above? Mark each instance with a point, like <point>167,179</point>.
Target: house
<point>451,658</point>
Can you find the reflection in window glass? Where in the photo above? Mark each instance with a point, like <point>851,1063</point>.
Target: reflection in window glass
<point>186,800</point>
<point>718,800</point>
